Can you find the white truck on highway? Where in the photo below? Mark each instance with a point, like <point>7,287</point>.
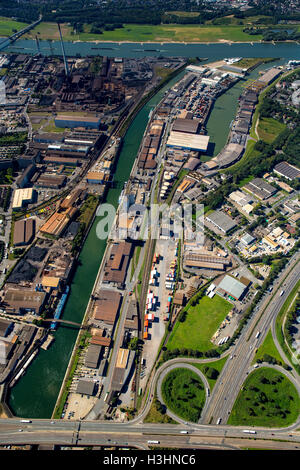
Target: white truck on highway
<point>281,293</point>
<point>248,431</point>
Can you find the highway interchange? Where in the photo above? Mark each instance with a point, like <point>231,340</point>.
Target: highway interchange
<point>200,435</point>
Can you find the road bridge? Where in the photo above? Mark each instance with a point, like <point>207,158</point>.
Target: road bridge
<point>20,33</point>
<point>66,322</point>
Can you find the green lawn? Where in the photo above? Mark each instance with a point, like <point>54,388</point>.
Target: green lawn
<point>201,322</point>
<point>273,403</point>
<point>268,347</point>
<point>156,416</point>
<point>184,393</point>
<point>268,129</point>
<point>279,321</point>
<point>147,32</point>
<point>218,365</point>
<point>7,26</point>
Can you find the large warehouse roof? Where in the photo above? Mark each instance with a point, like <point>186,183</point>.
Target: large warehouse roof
<point>221,220</point>
<point>187,140</point>
<point>287,170</point>
<point>186,125</point>
<point>21,196</point>
<point>232,286</point>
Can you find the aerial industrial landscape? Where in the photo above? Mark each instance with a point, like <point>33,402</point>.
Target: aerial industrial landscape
<point>149,228</point>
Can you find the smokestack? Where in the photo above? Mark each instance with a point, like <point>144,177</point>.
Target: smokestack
<point>67,72</point>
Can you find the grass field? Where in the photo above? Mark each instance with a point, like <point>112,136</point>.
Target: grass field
<point>268,129</point>
<point>201,322</point>
<point>279,321</point>
<point>7,26</point>
<point>184,393</point>
<point>152,33</point>
<point>156,416</point>
<point>218,365</point>
<point>267,398</point>
<point>268,347</point>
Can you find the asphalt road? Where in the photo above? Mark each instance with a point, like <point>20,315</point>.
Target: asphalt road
<point>236,369</point>
<point>110,433</point>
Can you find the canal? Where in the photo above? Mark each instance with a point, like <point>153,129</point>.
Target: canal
<point>36,392</point>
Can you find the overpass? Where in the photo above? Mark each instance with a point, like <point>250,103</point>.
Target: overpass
<point>18,34</point>
<point>66,322</point>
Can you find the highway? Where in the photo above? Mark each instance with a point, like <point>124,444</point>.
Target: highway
<point>107,433</point>
<point>236,369</point>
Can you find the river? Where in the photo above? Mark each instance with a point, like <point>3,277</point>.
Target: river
<point>213,51</point>
<point>36,392</point>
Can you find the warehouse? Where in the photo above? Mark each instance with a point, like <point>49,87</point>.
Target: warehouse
<point>22,197</point>
<point>115,269</point>
<point>24,232</point>
<point>232,287</point>
<point>106,307</point>
<point>206,261</point>
<point>269,76</point>
<point>97,177</point>
<point>86,387</point>
<point>101,340</point>
<point>6,326</point>
<point>93,356</point>
<point>242,199</point>
<point>57,160</point>
<point>72,198</point>
<point>71,121</point>
<point>260,188</point>
<point>191,126</point>
<point>286,170</point>
<point>222,221</point>
<point>19,301</point>
<point>56,224</point>
<point>185,140</point>
<point>50,181</point>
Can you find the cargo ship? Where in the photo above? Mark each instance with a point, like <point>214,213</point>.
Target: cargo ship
<point>60,307</point>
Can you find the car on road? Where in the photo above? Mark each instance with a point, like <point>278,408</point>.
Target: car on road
<point>20,430</point>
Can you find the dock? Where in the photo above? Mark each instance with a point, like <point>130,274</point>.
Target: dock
<point>49,340</point>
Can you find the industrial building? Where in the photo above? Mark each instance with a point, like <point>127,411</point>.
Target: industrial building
<point>86,387</point>
<point>50,181</point>
<point>206,261</point>
<point>24,231</point>
<point>58,221</point>
<point>97,177</point>
<point>92,357</point>
<point>191,126</point>
<point>286,170</point>
<point>188,141</point>
<point>222,221</point>
<point>107,306</point>
<point>19,301</point>
<point>260,188</point>
<point>269,76</point>
<point>115,268</point>
<point>233,288</point>
<point>22,197</point>
<point>71,121</point>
